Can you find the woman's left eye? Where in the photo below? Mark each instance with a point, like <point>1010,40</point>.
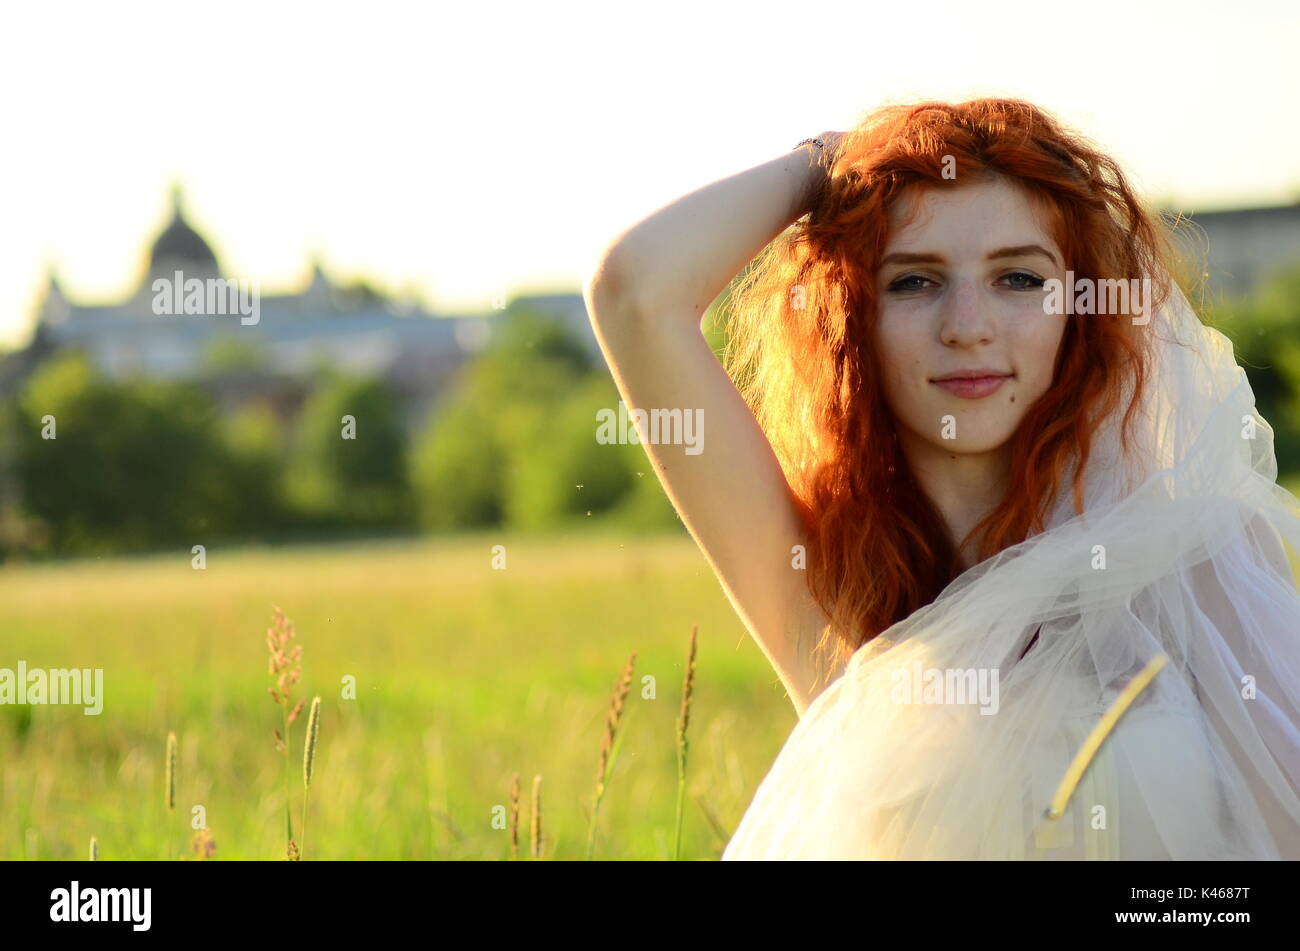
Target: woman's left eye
<point>1029,281</point>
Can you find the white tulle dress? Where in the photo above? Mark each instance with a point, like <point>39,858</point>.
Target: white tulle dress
<point>1178,559</point>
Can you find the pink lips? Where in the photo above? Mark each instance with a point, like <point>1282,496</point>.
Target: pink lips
<point>972,388</point>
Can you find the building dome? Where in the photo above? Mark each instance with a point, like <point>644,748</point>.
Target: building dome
<point>180,246</point>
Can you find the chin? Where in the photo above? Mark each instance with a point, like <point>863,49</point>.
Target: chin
<point>974,444</point>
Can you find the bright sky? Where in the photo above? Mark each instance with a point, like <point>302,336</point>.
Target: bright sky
<point>462,149</point>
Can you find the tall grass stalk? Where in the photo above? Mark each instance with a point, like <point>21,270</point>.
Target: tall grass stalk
<point>286,669</point>
<point>683,720</point>
<point>440,825</point>
<point>535,836</point>
<point>608,750</point>
<point>169,780</point>
<point>514,817</point>
<point>308,761</point>
<point>288,813</point>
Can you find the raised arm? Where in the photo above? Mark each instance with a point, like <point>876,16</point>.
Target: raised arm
<point>647,297</point>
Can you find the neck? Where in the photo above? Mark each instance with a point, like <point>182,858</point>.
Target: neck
<point>964,487</point>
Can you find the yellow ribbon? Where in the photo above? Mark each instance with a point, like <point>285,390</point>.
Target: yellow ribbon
<point>1099,733</point>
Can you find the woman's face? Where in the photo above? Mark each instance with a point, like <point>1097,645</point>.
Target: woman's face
<point>961,289</point>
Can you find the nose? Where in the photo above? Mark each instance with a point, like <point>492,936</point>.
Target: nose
<point>965,316</point>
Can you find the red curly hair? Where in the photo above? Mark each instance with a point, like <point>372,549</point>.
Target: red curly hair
<point>800,325</point>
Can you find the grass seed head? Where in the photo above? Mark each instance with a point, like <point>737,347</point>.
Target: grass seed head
<point>171,772</point>
<point>535,836</point>
<point>616,705</point>
<point>309,747</point>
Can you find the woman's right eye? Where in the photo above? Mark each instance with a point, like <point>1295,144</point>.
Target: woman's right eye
<point>905,283</point>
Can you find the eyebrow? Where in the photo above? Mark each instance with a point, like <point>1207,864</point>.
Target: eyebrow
<point>1015,251</point>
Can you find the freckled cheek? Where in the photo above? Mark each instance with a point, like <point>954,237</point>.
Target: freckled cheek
<point>1035,347</point>
<point>899,336</point>
<point>902,345</point>
<point>898,383</point>
<point>1036,371</point>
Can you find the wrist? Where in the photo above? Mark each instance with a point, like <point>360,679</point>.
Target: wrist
<point>811,162</point>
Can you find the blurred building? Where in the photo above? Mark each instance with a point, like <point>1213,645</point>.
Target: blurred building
<point>353,327</point>
<point>1244,247</point>
<point>360,330</point>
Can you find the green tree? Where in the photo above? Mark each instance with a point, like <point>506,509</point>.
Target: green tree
<point>130,465</point>
<point>483,457</point>
<point>558,469</point>
<point>229,353</point>
<point>458,467</point>
<point>1264,329</point>
<point>251,481</point>
<point>349,463</point>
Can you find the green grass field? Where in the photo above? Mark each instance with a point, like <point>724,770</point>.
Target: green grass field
<point>465,675</point>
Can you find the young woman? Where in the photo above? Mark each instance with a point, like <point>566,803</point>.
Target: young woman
<point>994,503</point>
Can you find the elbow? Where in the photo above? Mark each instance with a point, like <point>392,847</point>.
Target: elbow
<point>608,288</point>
